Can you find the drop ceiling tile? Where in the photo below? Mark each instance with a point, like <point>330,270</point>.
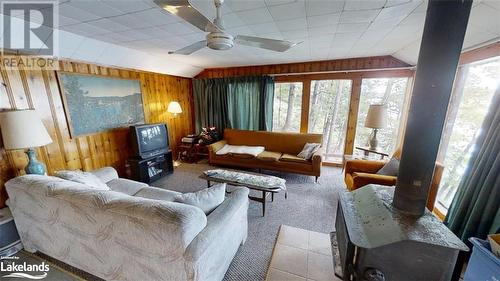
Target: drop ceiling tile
<point>112,37</point>
<point>288,11</point>
<point>358,16</point>
<point>195,37</point>
<point>295,35</point>
<point>265,28</point>
<point>66,21</point>
<point>84,29</point>
<point>131,21</point>
<point>156,16</point>
<point>319,7</point>
<point>398,11</point>
<point>279,2</point>
<point>129,6</point>
<point>295,24</point>
<point>76,13</point>
<point>391,3</point>
<point>134,35</point>
<point>97,8</point>
<point>493,3</point>
<point>155,31</point>
<point>244,5</point>
<point>385,23</point>
<point>363,5</point>
<point>321,41</point>
<point>485,18</point>
<point>352,27</point>
<point>317,21</point>
<point>232,20</point>
<point>475,36</point>
<point>260,15</point>
<point>242,30</point>
<point>108,25</point>
<point>321,31</point>
<point>180,28</point>
<point>415,18</point>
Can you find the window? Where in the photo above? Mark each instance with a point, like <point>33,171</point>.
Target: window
<point>474,88</point>
<point>328,111</point>
<point>287,107</point>
<point>392,93</point>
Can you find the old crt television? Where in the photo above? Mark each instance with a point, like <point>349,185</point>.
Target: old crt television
<point>149,140</point>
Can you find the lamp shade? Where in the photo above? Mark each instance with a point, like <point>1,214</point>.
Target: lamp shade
<point>376,117</point>
<point>23,129</point>
<point>174,107</point>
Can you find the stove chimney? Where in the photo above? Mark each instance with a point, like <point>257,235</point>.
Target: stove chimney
<point>444,31</point>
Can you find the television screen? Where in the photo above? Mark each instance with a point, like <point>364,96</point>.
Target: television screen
<point>151,139</point>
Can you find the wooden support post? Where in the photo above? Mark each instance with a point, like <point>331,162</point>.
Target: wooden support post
<point>352,119</point>
<point>442,40</point>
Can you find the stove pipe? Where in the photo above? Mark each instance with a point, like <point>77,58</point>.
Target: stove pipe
<point>444,31</point>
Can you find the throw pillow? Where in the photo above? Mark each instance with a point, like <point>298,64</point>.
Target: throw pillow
<point>206,199</point>
<point>390,168</point>
<point>308,150</point>
<point>85,178</point>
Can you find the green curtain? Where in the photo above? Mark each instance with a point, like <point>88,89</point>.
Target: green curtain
<point>235,102</point>
<point>210,106</point>
<point>474,211</point>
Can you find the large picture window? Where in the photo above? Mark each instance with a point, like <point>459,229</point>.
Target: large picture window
<point>287,107</point>
<point>474,88</point>
<point>328,111</point>
<point>390,92</point>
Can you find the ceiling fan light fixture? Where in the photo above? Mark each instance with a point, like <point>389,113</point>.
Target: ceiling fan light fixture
<point>219,41</point>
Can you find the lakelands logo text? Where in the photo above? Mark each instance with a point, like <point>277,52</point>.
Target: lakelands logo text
<point>23,270</point>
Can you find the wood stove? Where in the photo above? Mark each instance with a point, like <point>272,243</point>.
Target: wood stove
<point>377,242</point>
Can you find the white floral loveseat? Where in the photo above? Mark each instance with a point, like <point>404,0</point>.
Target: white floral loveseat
<point>133,232</point>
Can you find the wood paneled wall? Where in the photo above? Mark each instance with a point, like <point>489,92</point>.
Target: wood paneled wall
<point>352,64</point>
<point>22,89</point>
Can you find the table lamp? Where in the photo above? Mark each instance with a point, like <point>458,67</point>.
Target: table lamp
<point>23,129</point>
<point>375,119</point>
<point>174,107</point>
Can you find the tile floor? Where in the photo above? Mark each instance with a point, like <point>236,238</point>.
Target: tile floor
<point>301,255</point>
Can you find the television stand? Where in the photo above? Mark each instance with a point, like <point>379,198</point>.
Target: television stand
<point>152,168</point>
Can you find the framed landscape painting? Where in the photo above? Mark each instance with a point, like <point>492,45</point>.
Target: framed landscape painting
<point>96,103</point>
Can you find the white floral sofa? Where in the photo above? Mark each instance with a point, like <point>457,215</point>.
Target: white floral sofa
<point>133,232</point>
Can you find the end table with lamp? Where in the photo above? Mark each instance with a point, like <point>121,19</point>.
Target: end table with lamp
<point>375,119</point>
<point>21,129</point>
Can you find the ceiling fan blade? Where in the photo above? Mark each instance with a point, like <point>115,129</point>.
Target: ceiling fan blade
<point>184,10</point>
<point>191,48</point>
<point>265,43</point>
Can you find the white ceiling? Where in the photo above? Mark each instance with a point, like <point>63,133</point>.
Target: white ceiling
<point>327,29</point>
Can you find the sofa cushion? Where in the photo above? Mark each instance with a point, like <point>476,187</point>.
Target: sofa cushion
<point>206,199</point>
<point>126,186</point>
<point>293,158</point>
<point>157,193</point>
<point>106,174</point>
<point>269,156</point>
<point>88,179</point>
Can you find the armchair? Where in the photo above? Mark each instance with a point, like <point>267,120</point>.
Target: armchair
<point>359,173</point>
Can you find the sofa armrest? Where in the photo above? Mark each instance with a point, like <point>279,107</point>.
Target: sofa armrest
<point>106,174</point>
<point>210,253</point>
<point>317,159</point>
<point>216,146</point>
<point>363,166</point>
<point>362,179</point>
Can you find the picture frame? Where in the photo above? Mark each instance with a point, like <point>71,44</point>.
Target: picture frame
<point>96,103</point>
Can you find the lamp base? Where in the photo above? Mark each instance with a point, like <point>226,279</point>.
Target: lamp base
<point>34,166</point>
<point>373,143</point>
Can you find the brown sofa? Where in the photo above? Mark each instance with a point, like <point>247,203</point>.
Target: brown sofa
<point>280,151</point>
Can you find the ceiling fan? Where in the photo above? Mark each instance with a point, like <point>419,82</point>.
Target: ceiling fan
<point>217,38</point>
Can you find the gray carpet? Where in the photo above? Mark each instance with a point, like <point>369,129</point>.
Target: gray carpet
<point>310,206</point>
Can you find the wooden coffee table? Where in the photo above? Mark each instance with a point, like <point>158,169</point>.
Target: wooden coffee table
<point>265,189</point>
